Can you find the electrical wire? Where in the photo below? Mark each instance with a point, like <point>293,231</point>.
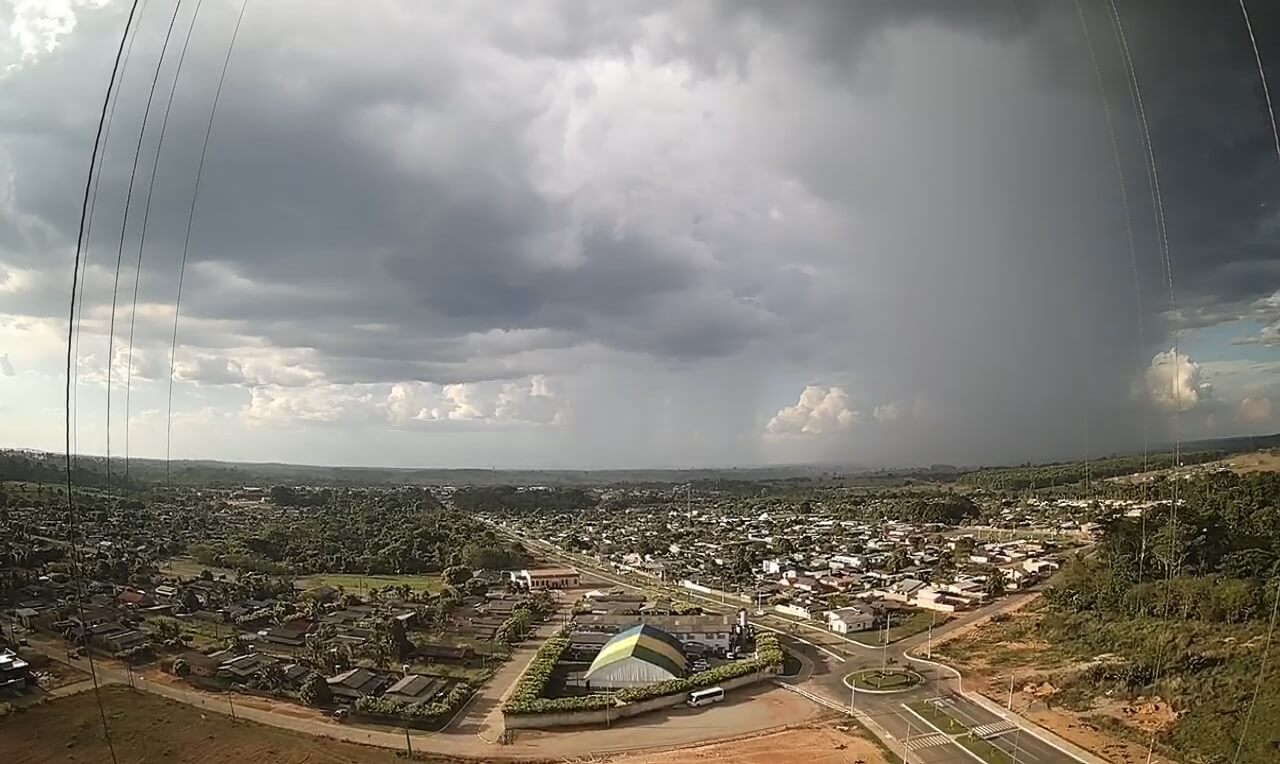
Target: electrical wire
<point>113,97</point>
<point>1174,563</point>
<point>124,225</point>
<point>142,238</point>
<point>1133,262</point>
<point>186,243</point>
<point>75,273</point>
<point>1275,607</point>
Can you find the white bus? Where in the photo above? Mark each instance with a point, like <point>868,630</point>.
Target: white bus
<point>705,697</point>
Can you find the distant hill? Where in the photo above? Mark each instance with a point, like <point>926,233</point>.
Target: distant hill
<point>46,467</point>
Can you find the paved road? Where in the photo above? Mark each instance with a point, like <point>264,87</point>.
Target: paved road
<point>826,665</point>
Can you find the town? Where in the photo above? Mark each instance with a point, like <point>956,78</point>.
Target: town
<point>508,621</point>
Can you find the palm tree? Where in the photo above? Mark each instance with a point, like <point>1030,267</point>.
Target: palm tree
<point>995,583</point>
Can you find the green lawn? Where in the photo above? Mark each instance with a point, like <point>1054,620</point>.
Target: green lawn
<point>984,750</point>
<point>938,718</point>
<point>901,627</point>
<point>357,583</point>
<point>475,675</point>
<point>873,679</point>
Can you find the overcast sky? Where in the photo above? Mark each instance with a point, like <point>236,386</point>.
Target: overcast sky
<point>570,234</point>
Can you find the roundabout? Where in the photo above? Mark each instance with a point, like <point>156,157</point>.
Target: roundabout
<point>883,680</point>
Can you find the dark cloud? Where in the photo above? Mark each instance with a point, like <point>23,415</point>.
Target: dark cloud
<point>912,201</point>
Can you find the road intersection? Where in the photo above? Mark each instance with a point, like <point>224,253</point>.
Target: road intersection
<point>825,666</point>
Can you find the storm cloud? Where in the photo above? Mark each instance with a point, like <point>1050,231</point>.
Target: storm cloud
<point>577,234</point>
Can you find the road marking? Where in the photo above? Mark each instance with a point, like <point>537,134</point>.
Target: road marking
<point>985,731</point>
<point>927,741</point>
<point>934,727</point>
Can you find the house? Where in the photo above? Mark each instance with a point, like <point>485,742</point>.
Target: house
<point>500,607</point>
<point>24,616</point>
<point>118,639</point>
<point>244,667</point>
<point>414,688</point>
<point>357,683</point>
<point>709,632</point>
<point>204,665</point>
<point>850,619</point>
<point>294,673</point>
<point>13,672</point>
<point>293,634</point>
<point>1039,567</point>
<point>585,645</point>
<point>799,609</point>
<point>166,594</point>
<point>546,578</point>
<point>932,598</point>
<point>132,598</point>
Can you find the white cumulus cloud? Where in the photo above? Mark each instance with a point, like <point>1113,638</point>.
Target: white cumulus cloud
<point>1173,382</point>
<point>887,413</point>
<point>37,27</point>
<point>1253,410</point>
<point>820,410</point>
<point>528,401</point>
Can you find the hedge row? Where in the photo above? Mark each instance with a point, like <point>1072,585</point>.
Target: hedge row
<point>768,656</point>
<point>527,698</point>
<point>423,711</point>
<point>769,650</point>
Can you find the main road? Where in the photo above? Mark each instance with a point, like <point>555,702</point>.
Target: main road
<point>826,666</point>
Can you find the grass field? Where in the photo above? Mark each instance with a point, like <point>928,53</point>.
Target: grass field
<point>150,730</point>
<point>937,718</point>
<point>187,567</point>
<point>902,627</point>
<point>356,582</point>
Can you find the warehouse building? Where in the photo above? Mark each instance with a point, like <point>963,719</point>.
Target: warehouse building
<point>546,578</point>
<point>638,656</point>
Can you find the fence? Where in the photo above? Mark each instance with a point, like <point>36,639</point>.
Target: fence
<point>623,711</point>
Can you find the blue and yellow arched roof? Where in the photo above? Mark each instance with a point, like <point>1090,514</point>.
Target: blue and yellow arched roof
<point>645,642</point>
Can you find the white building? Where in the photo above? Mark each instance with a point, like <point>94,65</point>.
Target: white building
<point>849,619</point>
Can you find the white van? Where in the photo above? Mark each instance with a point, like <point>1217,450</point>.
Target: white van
<point>705,697</point>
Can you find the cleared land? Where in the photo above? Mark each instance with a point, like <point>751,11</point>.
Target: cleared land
<point>147,729</point>
<point>988,655</point>
<point>187,567</point>
<point>805,745</point>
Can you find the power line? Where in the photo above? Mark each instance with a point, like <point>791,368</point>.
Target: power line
<point>1173,563</point>
<point>142,238</point>
<point>1275,607</point>
<point>186,243</point>
<point>1133,261</point>
<point>88,231</point>
<point>75,273</point>
<point>124,225</point>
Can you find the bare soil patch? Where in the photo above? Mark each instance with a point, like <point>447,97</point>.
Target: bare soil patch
<point>806,745</point>
<point>150,730</point>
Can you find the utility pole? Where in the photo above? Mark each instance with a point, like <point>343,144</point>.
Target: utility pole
<point>1010,704</point>
<point>853,694</point>
<point>884,660</point>
<point>232,704</point>
<point>928,647</point>
<point>407,743</point>
<point>906,752</point>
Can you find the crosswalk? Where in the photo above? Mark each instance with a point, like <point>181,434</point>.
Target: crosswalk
<point>993,729</point>
<point>927,741</point>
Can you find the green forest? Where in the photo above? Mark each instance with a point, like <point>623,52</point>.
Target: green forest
<point>1181,603</point>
